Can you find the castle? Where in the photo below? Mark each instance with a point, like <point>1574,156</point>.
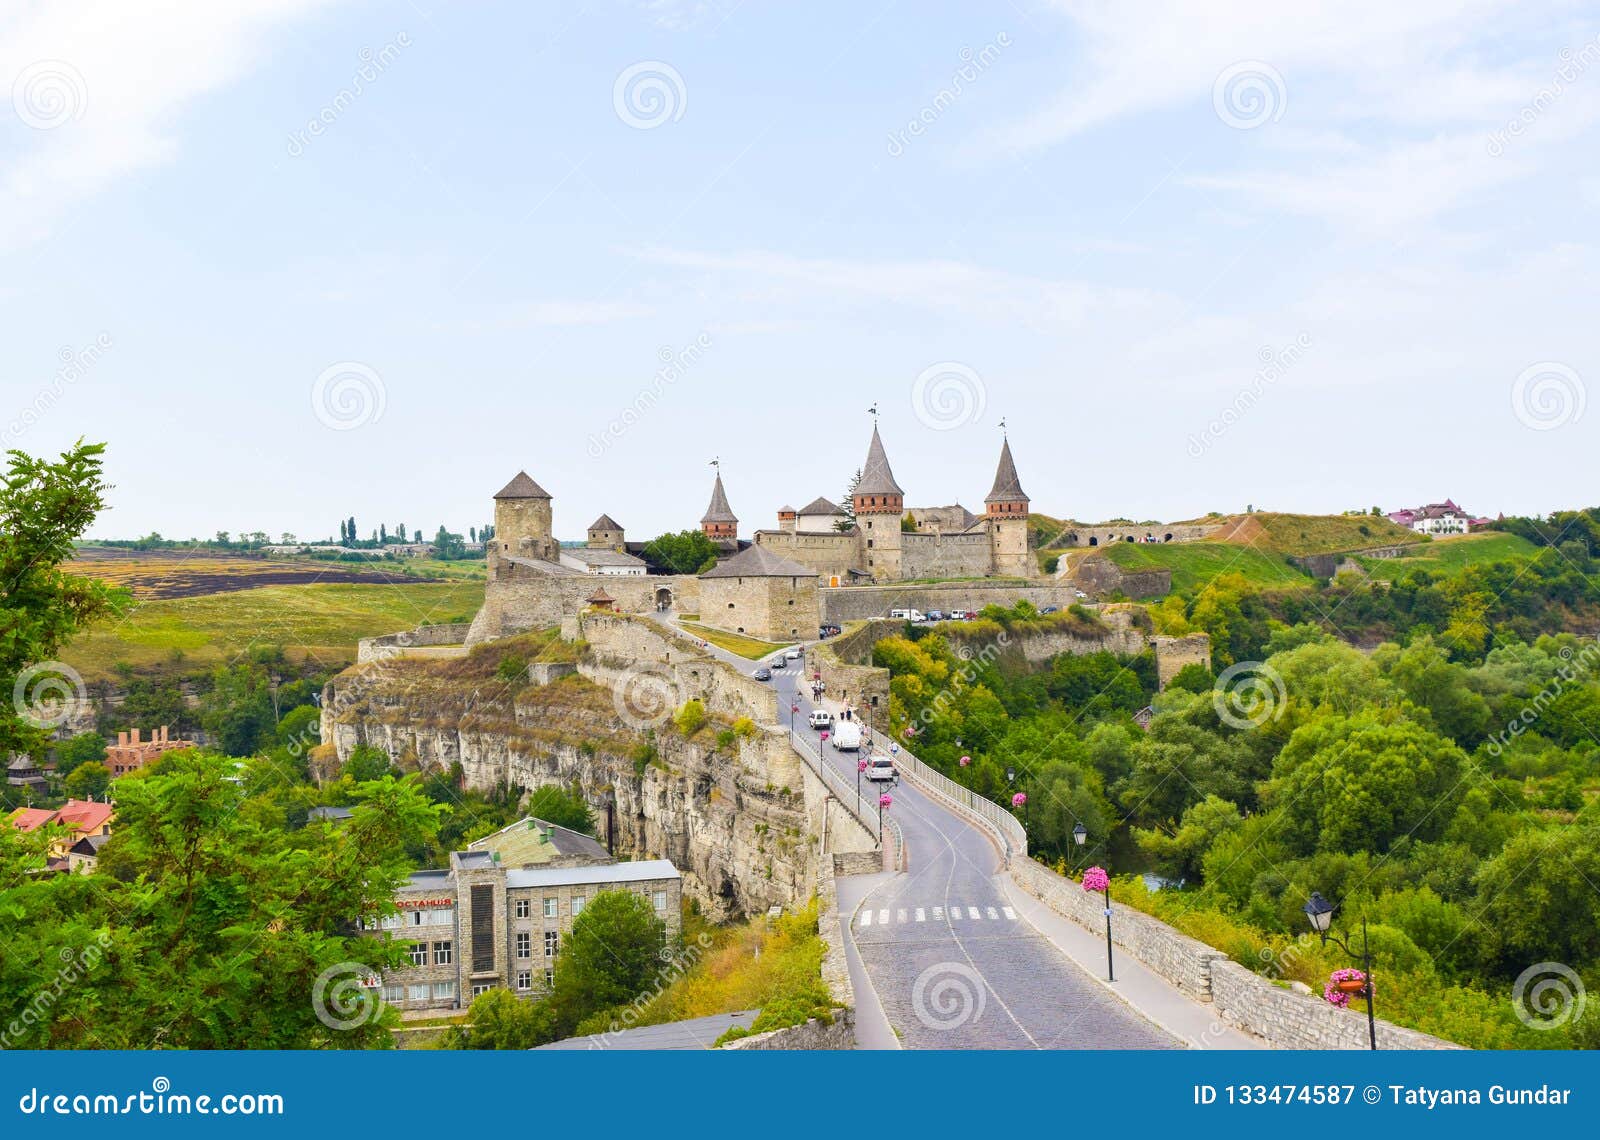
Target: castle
<point>767,588</point>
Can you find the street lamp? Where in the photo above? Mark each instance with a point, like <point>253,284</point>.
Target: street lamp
<point>883,801</point>
<point>1319,912</point>
<point>861,766</point>
<point>1080,834</point>
<point>794,707</point>
<point>1097,879</point>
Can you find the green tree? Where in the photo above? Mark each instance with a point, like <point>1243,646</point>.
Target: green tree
<point>561,806</point>
<point>610,957</point>
<point>237,713</point>
<point>367,763</point>
<point>448,546</point>
<point>44,507</point>
<point>81,749</point>
<point>89,780</point>
<point>686,552</point>
<point>1537,900</point>
<point>501,1020</point>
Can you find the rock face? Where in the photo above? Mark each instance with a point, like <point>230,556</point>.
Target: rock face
<point>731,815</point>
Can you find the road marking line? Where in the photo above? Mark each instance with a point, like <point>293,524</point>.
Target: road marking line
<point>955,912</point>
<point>883,918</point>
<point>972,910</point>
<point>920,915</point>
<point>900,915</point>
<point>938,912</point>
<point>1009,913</point>
<point>866,918</point>
<point>993,914</point>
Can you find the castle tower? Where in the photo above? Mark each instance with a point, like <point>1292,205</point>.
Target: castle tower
<point>605,533</point>
<point>879,504</point>
<point>523,527</point>
<point>1007,517</point>
<point>786,519</point>
<point>719,523</point>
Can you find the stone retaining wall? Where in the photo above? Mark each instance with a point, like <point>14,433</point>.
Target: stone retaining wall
<point>860,603</point>
<point>395,644</point>
<point>622,650</point>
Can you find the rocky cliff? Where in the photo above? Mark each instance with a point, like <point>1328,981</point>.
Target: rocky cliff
<point>731,810</point>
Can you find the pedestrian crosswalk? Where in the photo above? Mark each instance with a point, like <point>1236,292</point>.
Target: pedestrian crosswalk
<point>965,914</point>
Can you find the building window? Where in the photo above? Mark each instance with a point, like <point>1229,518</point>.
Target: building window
<point>419,954</point>
<point>549,979</point>
<point>523,908</point>
<point>524,979</point>
<point>443,990</point>
<point>524,945</point>
<point>417,992</point>
<point>552,943</point>
<point>660,901</point>
<point>441,954</point>
<point>552,907</point>
<point>577,900</point>
<point>481,988</point>
<point>393,995</point>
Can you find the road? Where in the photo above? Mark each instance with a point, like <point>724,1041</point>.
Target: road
<point>951,961</point>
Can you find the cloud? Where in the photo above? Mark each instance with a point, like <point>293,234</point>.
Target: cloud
<point>125,73</point>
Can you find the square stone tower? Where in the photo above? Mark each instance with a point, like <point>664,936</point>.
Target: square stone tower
<point>1007,517</point>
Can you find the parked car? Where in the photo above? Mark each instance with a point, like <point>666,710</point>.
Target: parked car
<point>908,615</point>
<point>1049,609</point>
<point>828,631</point>
<point>821,718</point>
<point>935,615</point>
<point>1080,594</point>
<point>791,654</point>
<point>880,768</point>
<point>762,674</point>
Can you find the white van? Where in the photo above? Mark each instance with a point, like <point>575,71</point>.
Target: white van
<point>908,615</point>
<point>846,736</point>
<point>821,718</point>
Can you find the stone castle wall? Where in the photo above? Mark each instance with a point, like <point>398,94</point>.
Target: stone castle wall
<point>946,555</point>
<point>1173,653</point>
<point>862,603</point>
<point>1101,578</point>
<point>622,648</point>
<point>773,609</point>
<point>518,599</point>
<point>830,555</point>
<point>1104,534</point>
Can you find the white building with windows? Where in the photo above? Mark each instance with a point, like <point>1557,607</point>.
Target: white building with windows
<point>480,924</point>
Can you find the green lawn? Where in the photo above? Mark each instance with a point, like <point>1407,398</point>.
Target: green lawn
<point>1451,555</point>
<point>322,621</point>
<point>1195,564</point>
<point>744,646</point>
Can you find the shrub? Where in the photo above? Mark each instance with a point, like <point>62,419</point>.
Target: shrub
<point>691,718</point>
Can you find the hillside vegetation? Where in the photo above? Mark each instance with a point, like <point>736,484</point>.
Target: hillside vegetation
<point>1194,564</point>
<point>1451,555</point>
<point>1311,534</point>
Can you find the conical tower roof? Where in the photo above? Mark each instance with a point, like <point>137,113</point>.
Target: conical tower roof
<point>1007,487</point>
<point>605,522</point>
<point>522,487</point>
<point>719,511</point>
<point>876,476</point>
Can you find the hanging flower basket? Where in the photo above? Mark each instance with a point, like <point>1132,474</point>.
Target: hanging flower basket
<point>1019,799</point>
<point>1095,879</point>
<point>885,800</point>
<point>965,760</point>
<point>1341,985</point>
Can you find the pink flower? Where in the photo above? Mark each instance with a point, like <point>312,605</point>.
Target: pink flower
<point>1096,879</point>
<point>910,731</point>
<point>1335,996</point>
<point>1019,799</point>
<point>885,800</point>
<point>965,760</point>
<point>861,765</point>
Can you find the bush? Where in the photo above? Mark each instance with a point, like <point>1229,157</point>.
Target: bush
<point>691,718</point>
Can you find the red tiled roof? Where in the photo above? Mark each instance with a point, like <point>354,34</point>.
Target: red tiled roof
<point>84,815</point>
<point>30,819</point>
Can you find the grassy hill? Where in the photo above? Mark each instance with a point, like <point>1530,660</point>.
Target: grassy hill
<point>320,621</point>
<point>1310,534</point>
<point>1451,555</point>
<point>1194,564</point>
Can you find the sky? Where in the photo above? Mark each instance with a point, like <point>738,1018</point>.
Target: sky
<point>297,260</point>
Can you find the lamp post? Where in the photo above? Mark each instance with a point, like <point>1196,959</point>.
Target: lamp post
<point>1097,879</point>
<point>794,707</point>
<point>1319,912</point>
<point>883,801</point>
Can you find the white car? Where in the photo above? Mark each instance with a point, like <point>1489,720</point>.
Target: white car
<point>791,654</point>
<point>881,768</point>
<point>821,718</point>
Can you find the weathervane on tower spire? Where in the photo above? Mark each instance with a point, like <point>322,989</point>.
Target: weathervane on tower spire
<point>873,411</point>
<point>1003,428</point>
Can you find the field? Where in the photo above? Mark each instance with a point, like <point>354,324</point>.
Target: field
<point>1194,564</point>
<point>748,647</point>
<point>1451,555</point>
<point>1311,534</point>
<point>319,621</point>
